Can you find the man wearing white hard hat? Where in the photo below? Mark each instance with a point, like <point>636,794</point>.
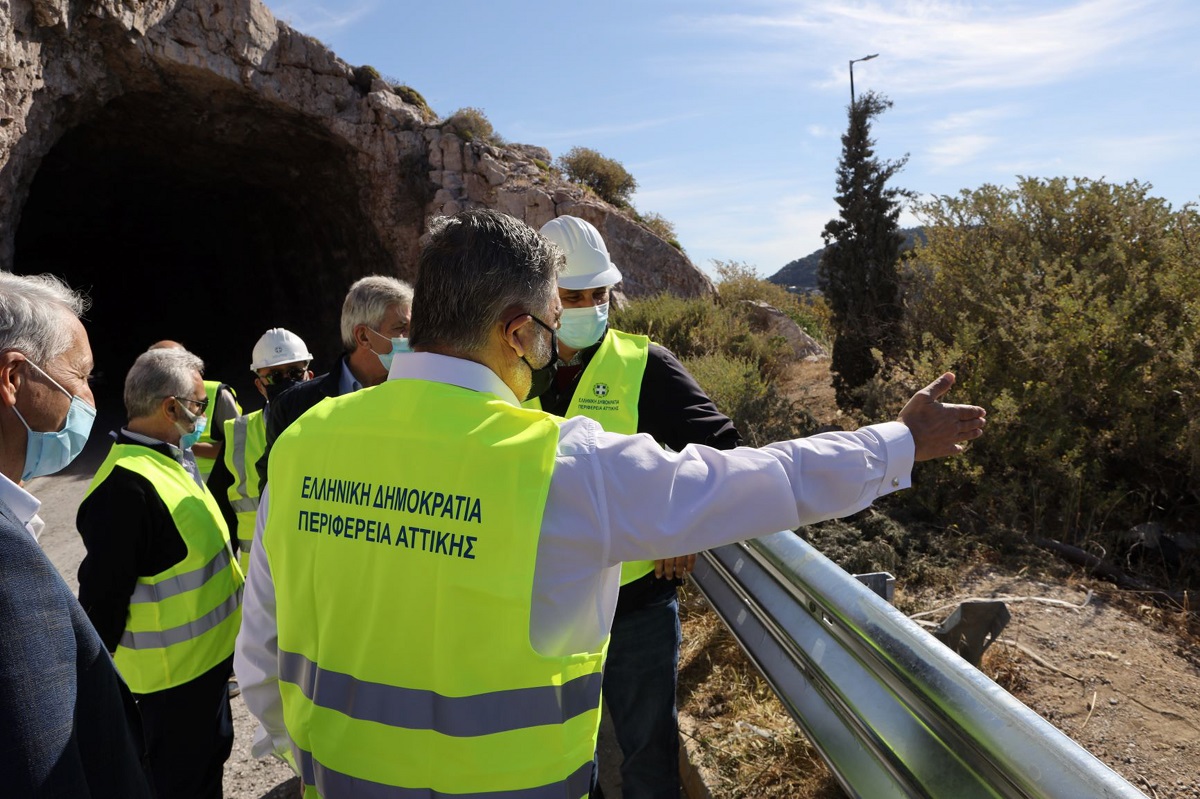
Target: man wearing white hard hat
<point>630,385</point>
<point>280,361</point>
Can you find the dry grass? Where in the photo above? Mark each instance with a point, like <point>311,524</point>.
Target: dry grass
<point>744,743</point>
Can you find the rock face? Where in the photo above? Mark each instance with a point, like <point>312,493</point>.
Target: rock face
<point>210,172</point>
<point>767,318</point>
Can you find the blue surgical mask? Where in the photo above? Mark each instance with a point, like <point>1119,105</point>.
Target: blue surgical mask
<point>199,423</point>
<point>583,327</point>
<point>47,453</point>
<point>399,345</point>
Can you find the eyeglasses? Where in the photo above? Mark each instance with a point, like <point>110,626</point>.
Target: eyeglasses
<point>295,374</point>
<point>201,404</point>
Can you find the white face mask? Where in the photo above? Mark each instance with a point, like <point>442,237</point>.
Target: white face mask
<point>583,327</point>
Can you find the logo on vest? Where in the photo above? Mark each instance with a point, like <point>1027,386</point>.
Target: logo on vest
<point>600,389</point>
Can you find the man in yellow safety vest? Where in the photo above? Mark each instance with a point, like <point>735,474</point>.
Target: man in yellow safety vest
<point>630,385</point>
<point>160,582</point>
<point>279,361</point>
<point>429,602</point>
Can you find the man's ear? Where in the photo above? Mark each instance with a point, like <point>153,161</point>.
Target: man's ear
<point>260,385</point>
<point>169,408</point>
<point>10,377</point>
<point>361,339</point>
<point>512,333</point>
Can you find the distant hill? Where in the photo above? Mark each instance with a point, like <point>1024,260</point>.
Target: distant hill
<point>802,272</point>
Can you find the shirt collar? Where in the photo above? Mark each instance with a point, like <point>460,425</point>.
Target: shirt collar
<point>150,442</point>
<point>23,504</point>
<point>347,383</point>
<point>455,371</point>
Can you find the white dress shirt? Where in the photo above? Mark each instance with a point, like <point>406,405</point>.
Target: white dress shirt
<point>23,505</point>
<point>616,498</point>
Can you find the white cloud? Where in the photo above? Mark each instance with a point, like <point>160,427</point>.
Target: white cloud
<point>317,19</point>
<point>954,151</point>
<point>931,45</point>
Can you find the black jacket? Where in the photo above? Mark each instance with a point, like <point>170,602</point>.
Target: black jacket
<point>675,412</point>
<point>292,404</point>
<point>129,532</point>
<point>672,408</point>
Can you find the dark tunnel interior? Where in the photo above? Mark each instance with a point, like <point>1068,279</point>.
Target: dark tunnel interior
<point>204,217</point>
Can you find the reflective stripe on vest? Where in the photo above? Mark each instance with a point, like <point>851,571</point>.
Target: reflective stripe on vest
<point>608,391</point>
<point>334,783</point>
<point>188,581</point>
<point>182,621</point>
<point>184,632</point>
<point>402,538</point>
<point>245,442</point>
<point>480,714</point>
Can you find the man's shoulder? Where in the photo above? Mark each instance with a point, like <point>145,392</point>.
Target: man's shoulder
<point>9,524</point>
<point>291,404</point>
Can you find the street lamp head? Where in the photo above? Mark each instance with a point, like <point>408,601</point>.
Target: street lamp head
<point>854,61</point>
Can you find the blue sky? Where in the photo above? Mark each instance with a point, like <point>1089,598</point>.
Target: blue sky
<point>729,115</point>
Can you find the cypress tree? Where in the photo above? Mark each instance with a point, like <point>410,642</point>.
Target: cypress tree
<point>859,272</point>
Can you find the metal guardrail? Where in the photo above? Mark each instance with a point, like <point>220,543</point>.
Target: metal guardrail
<point>892,711</point>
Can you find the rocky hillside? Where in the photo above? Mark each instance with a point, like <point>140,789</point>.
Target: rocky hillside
<point>210,92</point>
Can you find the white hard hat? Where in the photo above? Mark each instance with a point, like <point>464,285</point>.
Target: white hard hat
<point>588,265</point>
<point>279,346</point>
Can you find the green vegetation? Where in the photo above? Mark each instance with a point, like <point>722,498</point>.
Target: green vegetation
<point>413,97</point>
<point>611,182</point>
<point>739,281</point>
<point>471,124</point>
<point>1070,309</point>
<point>364,76</point>
<point>660,226</point>
<point>858,272</point>
<point>738,366</point>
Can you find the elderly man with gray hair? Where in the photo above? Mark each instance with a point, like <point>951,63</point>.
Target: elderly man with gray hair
<point>160,580</point>
<point>68,724</point>
<point>430,599</point>
<point>375,316</point>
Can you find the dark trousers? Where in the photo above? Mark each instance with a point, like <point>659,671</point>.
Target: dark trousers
<point>189,735</point>
<point>640,676</point>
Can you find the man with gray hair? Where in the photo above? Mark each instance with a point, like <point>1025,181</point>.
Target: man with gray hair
<point>68,724</point>
<point>160,580</point>
<point>431,596</point>
<point>375,316</point>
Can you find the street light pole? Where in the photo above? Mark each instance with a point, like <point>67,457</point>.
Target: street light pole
<point>852,62</point>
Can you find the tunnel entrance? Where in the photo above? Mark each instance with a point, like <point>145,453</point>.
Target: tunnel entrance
<point>202,214</point>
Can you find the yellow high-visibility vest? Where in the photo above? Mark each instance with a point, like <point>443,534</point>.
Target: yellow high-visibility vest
<point>608,392</point>
<point>402,537</point>
<point>210,390</point>
<point>245,442</point>
<point>183,620</point>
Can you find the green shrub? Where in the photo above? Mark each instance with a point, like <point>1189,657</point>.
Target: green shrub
<point>413,97</point>
<point>471,124</point>
<point>759,411</point>
<point>611,182</point>
<point>660,226</point>
<point>739,282</point>
<point>1071,311</point>
<point>363,77</point>
<point>694,327</point>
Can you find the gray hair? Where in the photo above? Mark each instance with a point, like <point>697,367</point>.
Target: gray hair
<point>477,265</point>
<point>31,309</point>
<point>368,301</point>
<point>157,374</point>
